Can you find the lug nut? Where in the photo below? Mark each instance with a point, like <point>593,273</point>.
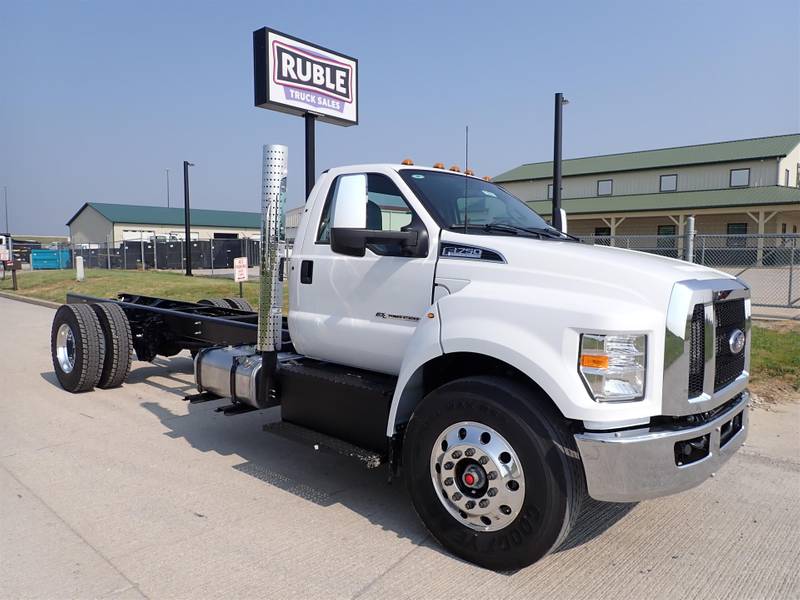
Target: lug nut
<point>457,496</point>
<point>456,454</point>
<point>448,465</point>
<point>469,452</point>
<point>448,481</point>
<point>492,475</point>
<point>483,503</point>
<point>470,505</point>
<point>483,460</point>
<point>492,492</point>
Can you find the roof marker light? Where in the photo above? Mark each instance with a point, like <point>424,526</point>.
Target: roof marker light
<point>438,166</point>
<point>469,172</point>
<point>407,161</point>
<point>455,169</point>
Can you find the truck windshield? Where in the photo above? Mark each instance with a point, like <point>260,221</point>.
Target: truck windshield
<point>489,208</point>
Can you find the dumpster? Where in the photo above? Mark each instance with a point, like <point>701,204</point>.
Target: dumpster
<point>50,259</point>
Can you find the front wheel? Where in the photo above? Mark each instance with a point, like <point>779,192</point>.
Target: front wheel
<point>492,471</point>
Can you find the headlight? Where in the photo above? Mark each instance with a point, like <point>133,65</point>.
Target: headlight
<point>613,366</point>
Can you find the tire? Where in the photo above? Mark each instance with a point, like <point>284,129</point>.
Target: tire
<point>239,303</point>
<point>118,342</point>
<point>550,481</point>
<point>214,302</point>
<point>77,347</point>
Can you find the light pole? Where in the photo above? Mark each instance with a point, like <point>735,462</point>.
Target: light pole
<point>5,197</point>
<point>186,218</point>
<point>560,102</point>
<point>167,170</point>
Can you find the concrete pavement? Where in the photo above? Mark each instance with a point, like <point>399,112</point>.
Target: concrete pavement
<point>132,493</point>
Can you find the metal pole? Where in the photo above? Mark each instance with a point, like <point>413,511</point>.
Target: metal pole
<point>186,217</point>
<point>557,162</point>
<point>5,196</point>
<point>167,188</point>
<point>108,252</point>
<point>791,272</point>
<point>310,153</point>
<point>689,255</point>
<point>212,257</point>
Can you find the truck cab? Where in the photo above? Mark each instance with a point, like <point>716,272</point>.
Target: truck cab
<point>638,363</point>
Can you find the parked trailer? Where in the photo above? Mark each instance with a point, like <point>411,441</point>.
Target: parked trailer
<point>505,369</point>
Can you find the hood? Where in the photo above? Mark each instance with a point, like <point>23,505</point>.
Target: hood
<point>553,264</point>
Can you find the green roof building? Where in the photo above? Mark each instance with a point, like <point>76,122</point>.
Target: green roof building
<point>741,186</point>
<point>101,223</point>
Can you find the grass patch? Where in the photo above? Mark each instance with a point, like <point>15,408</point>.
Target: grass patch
<point>102,283</point>
<point>775,353</point>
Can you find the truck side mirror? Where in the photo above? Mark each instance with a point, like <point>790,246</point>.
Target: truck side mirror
<point>350,202</point>
<point>349,232</point>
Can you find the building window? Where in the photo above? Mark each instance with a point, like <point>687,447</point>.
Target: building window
<point>735,230</point>
<point>740,177</point>
<point>605,187</point>
<point>666,236</point>
<point>549,191</point>
<point>602,236</point>
<point>786,178</point>
<point>668,183</point>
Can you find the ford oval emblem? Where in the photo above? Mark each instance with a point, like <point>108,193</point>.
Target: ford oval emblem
<point>736,341</point>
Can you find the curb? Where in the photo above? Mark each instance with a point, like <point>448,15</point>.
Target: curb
<point>37,301</point>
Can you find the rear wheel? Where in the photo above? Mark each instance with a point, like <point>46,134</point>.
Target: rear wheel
<point>77,346</point>
<point>214,302</point>
<point>118,343</point>
<point>239,303</point>
<point>493,472</point>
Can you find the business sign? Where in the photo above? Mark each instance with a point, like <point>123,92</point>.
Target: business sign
<point>297,77</point>
<point>240,272</point>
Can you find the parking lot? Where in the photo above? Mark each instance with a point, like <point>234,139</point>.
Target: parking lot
<point>133,492</point>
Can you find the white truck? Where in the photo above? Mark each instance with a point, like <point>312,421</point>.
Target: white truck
<point>438,324</point>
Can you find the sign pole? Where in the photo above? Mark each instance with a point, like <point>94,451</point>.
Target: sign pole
<point>311,169</point>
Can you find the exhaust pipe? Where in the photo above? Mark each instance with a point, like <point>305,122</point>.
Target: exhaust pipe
<point>270,305</point>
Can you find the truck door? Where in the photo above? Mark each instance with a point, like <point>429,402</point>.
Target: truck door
<point>362,311</point>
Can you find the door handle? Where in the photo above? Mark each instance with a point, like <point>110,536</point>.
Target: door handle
<point>306,271</point>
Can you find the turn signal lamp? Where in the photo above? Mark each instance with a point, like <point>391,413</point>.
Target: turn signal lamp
<point>438,166</point>
<point>455,169</point>
<point>613,366</point>
<point>407,161</point>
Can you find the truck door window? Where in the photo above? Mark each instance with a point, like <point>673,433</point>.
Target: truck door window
<point>387,210</point>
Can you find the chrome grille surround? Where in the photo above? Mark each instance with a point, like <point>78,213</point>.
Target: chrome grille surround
<point>686,295</point>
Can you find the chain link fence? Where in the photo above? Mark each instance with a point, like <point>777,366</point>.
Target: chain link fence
<point>768,263</point>
<point>208,254</point>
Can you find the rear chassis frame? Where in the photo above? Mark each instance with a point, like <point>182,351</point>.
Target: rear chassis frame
<point>163,326</point>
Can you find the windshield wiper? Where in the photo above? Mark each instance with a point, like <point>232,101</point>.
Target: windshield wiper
<point>551,233</point>
<point>489,227</point>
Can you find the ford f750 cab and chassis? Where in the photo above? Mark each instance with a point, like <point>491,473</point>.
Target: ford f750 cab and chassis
<point>438,324</point>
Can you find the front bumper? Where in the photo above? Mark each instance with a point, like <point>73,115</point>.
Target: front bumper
<point>637,464</point>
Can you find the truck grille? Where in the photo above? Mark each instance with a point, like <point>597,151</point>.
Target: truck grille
<point>728,316</point>
<point>697,351</point>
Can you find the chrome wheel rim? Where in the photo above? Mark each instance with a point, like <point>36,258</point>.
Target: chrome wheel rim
<point>477,476</point>
<point>65,348</point>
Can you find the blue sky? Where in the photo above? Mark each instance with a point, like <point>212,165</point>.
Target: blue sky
<point>98,98</point>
